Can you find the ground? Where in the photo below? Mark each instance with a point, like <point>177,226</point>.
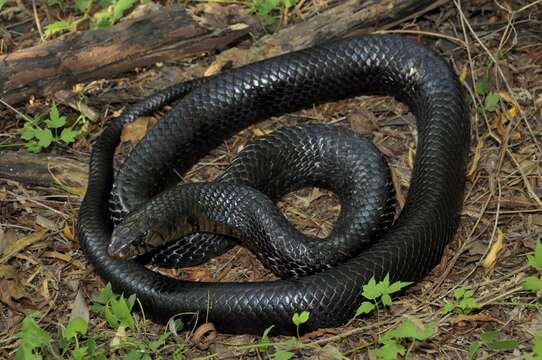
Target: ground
<point>495,47</point>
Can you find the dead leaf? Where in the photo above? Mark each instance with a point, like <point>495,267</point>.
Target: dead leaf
<point>261,132</point>
<point>135,131</point>
<point>57,255</point>
<point>199,274</point>
<point>217,66</point>
<point>7,238</point>
<point>11,284</point>
<point>46,223</point>
<point>476,157</point>
<point>495,250</point>
<point>21,244</point>
<point>80,307</point>
<point>363,121</point>
<point>68,232</point>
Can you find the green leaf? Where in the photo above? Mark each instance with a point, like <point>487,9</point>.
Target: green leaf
<point>397,286</point>
<point>264,341</point>
<point>27,132</point>
<point>2,3</point>
<point>33,147</point>
<point>371,290</point>
<point>469,303</point>
<point>134,355</point>
<point>536,260</point>
<point>407,329</point>
<point>282,355</point>
<point>488,337</point>
<point>482,86</point>
<point>24,353</point>
<point>55,121</point>
<point>386,300</point>
<point>102,19</point>
<point>68,135</point>
<point>365,308</point>
<point>80,353</point>
<point>31,335</point>
<point>104,295</point>
<point>532,283</point>
<point>492,101</point>
<point>122,312</point>
<point>83,5</point>
<point>389,351</point>
<point>473,349</point>
<point>44,136</point>
<point>158,343</point>
<point>300,318</point>
<point>56,27</point>
<point>502,345</point>
<point>459,293</point>
<point>76,326</point>
<point>120,7</point>
<point>110,317</point>
<point>448,308</point>
<point>537,348</point>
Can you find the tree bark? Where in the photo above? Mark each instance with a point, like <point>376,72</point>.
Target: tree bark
<point>44,170</point>
<point>351,17</point>
<point>164,35</point>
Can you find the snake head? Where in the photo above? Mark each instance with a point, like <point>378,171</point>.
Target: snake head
<point>128,238</point>
<point>138,234</point>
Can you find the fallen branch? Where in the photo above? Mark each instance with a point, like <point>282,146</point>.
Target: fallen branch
<point>164,35</point>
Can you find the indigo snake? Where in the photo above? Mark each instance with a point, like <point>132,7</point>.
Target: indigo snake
<point>208,111</point>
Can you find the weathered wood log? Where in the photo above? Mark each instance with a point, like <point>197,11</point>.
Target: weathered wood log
<point>163,35</point>
<point>44,170</point>
<point>343,19</point>
<point>351,17</point>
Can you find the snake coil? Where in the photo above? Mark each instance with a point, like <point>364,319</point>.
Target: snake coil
<point>207,111</point>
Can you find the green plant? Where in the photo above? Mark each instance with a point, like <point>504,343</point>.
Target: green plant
<point>491,98</point>
<point>38,134</point>
<point>75,342</point>
<point>393,340</point>
<point>463,303</point>
<point>33,339</point>
<point>489,339</point>
<point>107,13</point>
<point>537,349</point>
<point>299,319</point>
<point>265,8</point>
<point>378,293</point>
<point>534,283</point>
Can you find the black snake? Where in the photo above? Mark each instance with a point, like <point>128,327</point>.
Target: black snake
<point>207,111</point>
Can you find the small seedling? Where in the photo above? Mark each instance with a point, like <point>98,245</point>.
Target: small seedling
<point>489,339</point>
<point>33,339</point>
<point>108,13</point>
<point>491,98</point>
<point>75,343</point>
<point>537,349</point>
<point>300,318</point>
<point>534,283</point>
<point>56,129</point>
<point>392,340</point>
<point>378,293</point>
<point>463,303</point>
<point>265,8</point>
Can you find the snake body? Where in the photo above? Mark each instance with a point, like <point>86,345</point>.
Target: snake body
<point>211,110</point>
<point>240,202</point>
